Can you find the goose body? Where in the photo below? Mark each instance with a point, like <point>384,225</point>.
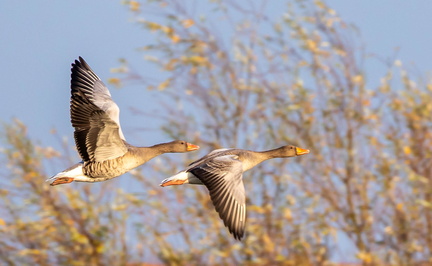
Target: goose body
<point>221,171</point>
<point>98,136</point>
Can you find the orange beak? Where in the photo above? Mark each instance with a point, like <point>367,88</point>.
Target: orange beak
<point>192,147</point>
<point>300,151</point>
<point>172,183</point>
<point>62,180</point>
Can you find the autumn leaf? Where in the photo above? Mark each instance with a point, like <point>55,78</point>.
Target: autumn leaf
<point>365,257</point>
<point>187,23</point>
<point>153,26</point>
<point>407,150</point>
<point>134,5</point>
<point>115,81</point>
<point>175,38</point>
<point>164,84</point>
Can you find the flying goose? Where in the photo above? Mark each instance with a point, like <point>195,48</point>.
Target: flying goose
<point>221,171</point>
<point>98,136</point>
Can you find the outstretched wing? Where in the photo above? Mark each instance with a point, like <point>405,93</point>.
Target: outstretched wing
<point>223,178</point>
<point>95,116</point>
<point>214,153</point>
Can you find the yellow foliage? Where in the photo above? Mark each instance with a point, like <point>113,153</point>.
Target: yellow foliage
<point>134,5</point>
<point>303,63</point>
<point>198,47</point>
<point>153,192</point>
<point>100,248</point>
<point>372,117</point>
<point>30,175</point>
<point>162,86</point>
<point>198,59</point>
<point>280,257</point>
<point>366,102</point>
<point>80,238</point>
<point>255,208</point>
<point>424,203</point>
<point>320,4</point>
<point>167,30</point>
<point>15,155</point>
<point>122,69</point>
<point>358,79</point>
<point>340,52</point>
<point>268,208</point>
<point>288,214</point>
<point>195,60</point>
<point>187,23</point>
<point>193,70</point>
<point>269,245</point>
<point>407,150</point>
<point>291,199</point>
<point>399,207</point>
<point>153,26</point>
<point>175,38</point>
<point>331,11</point>
<point>365,257</point>
<point>285,106</point>
<point>414,247</point>
<point>29,251</point>
<point>119,207</point>
<point>115,81</point>
<point>388,230</point>
<point>221,253</point>
<point>70,222</point>
<point>311,45</point>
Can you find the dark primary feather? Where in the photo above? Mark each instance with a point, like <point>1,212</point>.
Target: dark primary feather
<point>221,172</point>
<point>94,116</point>
<point>81,109</point>
<point>222,175</point>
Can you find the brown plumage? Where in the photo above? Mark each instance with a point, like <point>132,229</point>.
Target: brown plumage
<point>221,171</point>
<point>98,136</point>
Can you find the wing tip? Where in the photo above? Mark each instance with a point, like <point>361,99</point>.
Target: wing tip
<point>80,63</point>
<point>82,76</point>
<point>238,233</point>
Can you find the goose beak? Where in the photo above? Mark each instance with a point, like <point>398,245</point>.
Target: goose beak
<point>168,182</point>
<point>192,147</point>
<point>300,151</point>
<point>61,180</point>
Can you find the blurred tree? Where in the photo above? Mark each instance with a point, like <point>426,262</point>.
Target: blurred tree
<point>48,226</point>
<point>241,77</point>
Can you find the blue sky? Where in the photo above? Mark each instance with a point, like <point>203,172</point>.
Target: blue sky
<point>40,39</point>
<point>389,24</point>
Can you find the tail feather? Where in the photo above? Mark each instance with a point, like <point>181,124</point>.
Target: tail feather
<point>181,178</point>
<point>67,175</point>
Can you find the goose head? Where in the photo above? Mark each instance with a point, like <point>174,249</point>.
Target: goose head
<point>180,146</point>
<point>289,151</point>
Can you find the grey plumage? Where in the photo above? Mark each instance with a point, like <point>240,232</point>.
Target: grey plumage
<point>221,171</point>
<point>98,136</point>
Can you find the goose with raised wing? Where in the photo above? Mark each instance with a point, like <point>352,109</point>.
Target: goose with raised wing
<point>98,136</point>
<point>221,171</point>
